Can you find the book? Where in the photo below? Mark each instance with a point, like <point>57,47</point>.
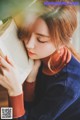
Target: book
<point>14,48</point>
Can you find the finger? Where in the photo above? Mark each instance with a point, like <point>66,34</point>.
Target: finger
<point>2,82</point>
<point>4,63</point>
<point>1,71</point>
<point>1,77</point>
<point>4,71</point>
<point>10,61</point>
<point>1,53</point>
<point>37,63</point>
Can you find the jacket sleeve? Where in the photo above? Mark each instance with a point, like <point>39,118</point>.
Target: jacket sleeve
<point>18,102</point>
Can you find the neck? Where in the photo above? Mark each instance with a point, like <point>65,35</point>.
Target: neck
<point>56,61</point>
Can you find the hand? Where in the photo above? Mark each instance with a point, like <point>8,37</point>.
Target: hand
<point>32,76</point>
<point>10,77</point>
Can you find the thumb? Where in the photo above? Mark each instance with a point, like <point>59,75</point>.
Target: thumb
<point>37,63</point>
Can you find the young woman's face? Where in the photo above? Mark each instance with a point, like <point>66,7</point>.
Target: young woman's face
<point>39,44</point>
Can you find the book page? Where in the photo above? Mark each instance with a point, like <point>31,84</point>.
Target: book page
<point>14,48</point>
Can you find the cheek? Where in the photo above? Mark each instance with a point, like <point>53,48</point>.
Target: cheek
<point>46,50</point>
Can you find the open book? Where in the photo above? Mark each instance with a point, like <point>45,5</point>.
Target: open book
<point>11,46</point>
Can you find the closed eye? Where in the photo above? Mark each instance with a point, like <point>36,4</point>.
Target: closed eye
<point>41,41</point>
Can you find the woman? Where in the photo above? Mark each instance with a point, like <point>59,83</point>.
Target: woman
<point>52,90</point>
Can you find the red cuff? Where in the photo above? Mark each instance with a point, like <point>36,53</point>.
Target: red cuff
<point>16,102</point>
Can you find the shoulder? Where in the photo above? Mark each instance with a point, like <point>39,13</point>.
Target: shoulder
<point>72,69</point>
<point>70,76</point>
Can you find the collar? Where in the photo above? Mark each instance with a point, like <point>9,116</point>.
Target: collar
<point>56,61</point>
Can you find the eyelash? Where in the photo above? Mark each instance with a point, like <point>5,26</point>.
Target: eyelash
<point>41,41</point>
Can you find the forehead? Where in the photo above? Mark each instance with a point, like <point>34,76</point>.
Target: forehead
<point>40,27</point>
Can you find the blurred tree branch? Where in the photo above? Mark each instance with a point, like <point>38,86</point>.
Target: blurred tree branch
<point>12,7</point>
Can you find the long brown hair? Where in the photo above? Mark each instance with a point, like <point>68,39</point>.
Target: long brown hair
<point>62,22</point>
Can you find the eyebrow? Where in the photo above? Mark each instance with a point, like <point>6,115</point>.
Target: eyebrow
<point>42,35</point>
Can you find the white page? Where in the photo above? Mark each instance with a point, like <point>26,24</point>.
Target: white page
<point>14,48</point>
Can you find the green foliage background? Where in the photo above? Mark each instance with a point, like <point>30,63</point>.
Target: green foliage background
<point>12,7</point>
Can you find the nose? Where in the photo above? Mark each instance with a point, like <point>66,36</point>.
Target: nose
<point>31,42</point>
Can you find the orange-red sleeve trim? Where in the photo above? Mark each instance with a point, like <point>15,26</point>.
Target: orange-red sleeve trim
<point>17,103</point>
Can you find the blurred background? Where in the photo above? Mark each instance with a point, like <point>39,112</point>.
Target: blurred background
<point>76,36</point>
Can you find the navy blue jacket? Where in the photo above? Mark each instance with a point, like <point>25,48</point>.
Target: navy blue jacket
<point>57,97</point>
